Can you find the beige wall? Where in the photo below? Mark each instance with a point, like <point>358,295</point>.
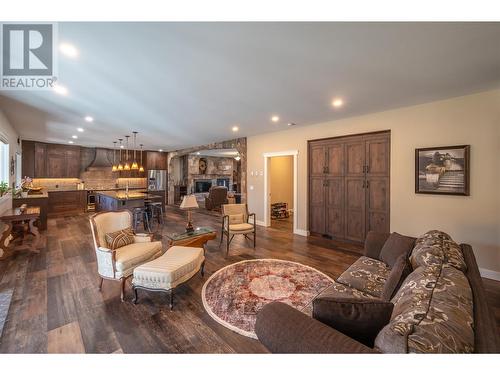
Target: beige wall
<point>472,119</point>
<point>281,179</point>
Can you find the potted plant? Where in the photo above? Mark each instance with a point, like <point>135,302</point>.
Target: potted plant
<point>4,188</point>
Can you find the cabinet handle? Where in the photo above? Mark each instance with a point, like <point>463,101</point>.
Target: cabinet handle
<point>327,170</point>
<point>363,184</point>
<point>367,169</point>
<point>367,184</point>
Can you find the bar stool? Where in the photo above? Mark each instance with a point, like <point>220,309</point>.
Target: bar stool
<point>157,211</point>
<point>141,214</point>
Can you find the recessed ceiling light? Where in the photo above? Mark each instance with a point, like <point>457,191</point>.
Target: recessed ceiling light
<point>198,153</point>
<point>61,90</point>
<point>337,103</point>
<point>275,118</point>
<point>89,118</point>
<point>291,124</point>
<point>122,146</point>
<point>71,142</point>
<point>74,136</point>
<point>68,50</point>
<point>80,130</point>
<point>160,150</point>
<point>235,128</point>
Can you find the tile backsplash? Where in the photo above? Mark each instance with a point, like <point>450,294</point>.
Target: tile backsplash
<point>93,180</point>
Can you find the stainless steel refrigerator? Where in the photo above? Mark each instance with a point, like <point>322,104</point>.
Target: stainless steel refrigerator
<point>157,180</point>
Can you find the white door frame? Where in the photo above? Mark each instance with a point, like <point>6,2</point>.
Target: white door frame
<point>267,208</point>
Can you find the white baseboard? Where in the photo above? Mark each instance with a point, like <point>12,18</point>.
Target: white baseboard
<point>301,232</point>
<point>261,223</point>
<point>489,274</point>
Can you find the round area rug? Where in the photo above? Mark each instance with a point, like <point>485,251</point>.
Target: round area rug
<point>234,294</point>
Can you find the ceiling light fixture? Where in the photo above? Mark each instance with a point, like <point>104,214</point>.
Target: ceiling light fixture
<point>61,90</point>
<point>292,124</point>
<point>134,163</point>
<point>71,142</point>
<point>80,130</point>
<point>237,157</point>
<point>235,128</point>
<point>126,167</point>
<point>275,118</point>
<point>74,136</point>
<point>69,50</point>
<point>114,168</point>
<point>89,119</point>
<point>120,165</point>
<point>337,103</point>
<point>160,150</point>
<point>141,168</point>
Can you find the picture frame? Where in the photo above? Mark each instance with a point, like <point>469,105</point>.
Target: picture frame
<point>443,170</point>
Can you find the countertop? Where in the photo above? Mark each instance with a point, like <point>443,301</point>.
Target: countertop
<point>122,195</point>
<point>44,194</point>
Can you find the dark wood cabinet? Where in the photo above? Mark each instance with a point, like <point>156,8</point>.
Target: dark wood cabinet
<point>46,160</point>
<point>349,186</point>
<point>67,202</point>
<point>156,160</point>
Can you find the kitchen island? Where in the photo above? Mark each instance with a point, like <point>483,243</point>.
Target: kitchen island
<point>114,200</point>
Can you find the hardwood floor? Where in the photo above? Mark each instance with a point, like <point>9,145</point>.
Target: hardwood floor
<point>56,306</point>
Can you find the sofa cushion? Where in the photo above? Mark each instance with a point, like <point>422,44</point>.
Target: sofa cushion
<point>120,238</point>
<point>337,290</point>
<point>433,313</point>
<point>395,246</point>
<point>361,319</point>
<point>436,247</point>
<point>398,274</point>
<point>367,275</point>
<point>134,254</point>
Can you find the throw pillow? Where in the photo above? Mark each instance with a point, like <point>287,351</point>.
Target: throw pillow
<point>398,274</point>
<point>236,219</point>
<point>360,319</point>
<point>395,246</point>
<point>120,238</point>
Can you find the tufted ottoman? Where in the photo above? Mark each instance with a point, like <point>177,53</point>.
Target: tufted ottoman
<point>163,274</point>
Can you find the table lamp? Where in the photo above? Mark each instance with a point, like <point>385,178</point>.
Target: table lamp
<point>189,202</point>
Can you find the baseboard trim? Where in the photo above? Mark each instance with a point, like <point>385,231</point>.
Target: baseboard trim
<point>489,274</point>
<point>301,232</point>
<point>261,223</point>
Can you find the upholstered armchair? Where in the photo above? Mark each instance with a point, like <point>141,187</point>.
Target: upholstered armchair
<point>217,196</point>
<point>236,220</point>
<point>119,264</point>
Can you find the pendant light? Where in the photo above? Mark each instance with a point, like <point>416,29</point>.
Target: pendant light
<point>134,164</point>
<point>114,168</point>
<point>120,165</point>
<point>126,167</point>
<point>141,168</point>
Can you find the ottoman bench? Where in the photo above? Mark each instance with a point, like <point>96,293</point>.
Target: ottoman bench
<point>163,274</point>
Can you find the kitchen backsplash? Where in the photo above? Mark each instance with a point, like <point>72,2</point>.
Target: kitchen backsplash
<point>92,180</point>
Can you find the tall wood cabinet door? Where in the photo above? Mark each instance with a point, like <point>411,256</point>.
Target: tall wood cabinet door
<point>73,163</point>
<point>355,213</point>
<point>317,160</point>
<point>335,159</point>
<point>40,160</point>
<point>317,205</point>
<point>377,208</point>
<point>335,207</point>
<point>378,156</point>
<point>355,158</point>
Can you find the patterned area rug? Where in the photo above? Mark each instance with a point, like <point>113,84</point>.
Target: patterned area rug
<point>234,294</point>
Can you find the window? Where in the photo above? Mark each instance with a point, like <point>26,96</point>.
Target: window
<point>4,161</point>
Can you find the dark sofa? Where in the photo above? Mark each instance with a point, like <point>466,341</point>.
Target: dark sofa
<point>283,329</point>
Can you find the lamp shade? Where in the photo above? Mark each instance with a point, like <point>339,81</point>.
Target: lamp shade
<point>189,201</point>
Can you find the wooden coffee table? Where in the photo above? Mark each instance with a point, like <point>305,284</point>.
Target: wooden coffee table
<point>198,238</point>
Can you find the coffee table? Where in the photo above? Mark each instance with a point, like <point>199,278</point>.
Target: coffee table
<point>198,238</point>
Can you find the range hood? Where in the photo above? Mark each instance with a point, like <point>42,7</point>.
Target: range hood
<point>101,159</point>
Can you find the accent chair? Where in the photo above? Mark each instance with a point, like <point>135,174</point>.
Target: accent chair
<point>119,264</point>
<point>217,196</point>
<point>236,220</point>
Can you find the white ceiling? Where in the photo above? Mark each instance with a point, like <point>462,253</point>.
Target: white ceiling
<point>186,84</point>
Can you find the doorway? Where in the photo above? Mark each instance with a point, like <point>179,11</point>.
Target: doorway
<point>280,196</point>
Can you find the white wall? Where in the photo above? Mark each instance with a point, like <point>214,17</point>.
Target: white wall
<point>9,133</point>
<point>472,119</point>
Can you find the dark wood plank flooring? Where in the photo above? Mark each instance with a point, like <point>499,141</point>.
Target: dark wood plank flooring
<point>56,306</point>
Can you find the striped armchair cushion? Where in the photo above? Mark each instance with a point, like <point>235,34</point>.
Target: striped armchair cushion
<point>120,238</point>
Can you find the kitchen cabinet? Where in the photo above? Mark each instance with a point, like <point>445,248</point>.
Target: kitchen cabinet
<point>156,160</point>
<point>45,160</point>
<point>67,202</point>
